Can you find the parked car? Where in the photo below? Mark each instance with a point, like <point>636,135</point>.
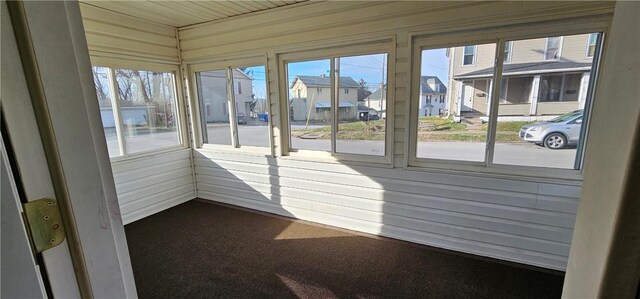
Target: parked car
<point>364,116</point>
<point>242,120</point>
<point>556,133</point>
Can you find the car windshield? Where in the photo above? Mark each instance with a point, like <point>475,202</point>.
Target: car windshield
<point>566,117</point>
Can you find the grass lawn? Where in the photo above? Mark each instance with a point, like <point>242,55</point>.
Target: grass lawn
<point>431,128</point>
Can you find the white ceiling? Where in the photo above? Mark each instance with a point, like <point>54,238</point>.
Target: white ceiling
<point>187,12</point>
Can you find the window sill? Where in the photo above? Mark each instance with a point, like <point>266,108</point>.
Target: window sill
<point>528,173</point>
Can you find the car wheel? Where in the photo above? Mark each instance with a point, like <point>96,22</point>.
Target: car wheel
<point>555,141</point>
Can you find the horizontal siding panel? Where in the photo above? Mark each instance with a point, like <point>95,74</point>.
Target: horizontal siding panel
<point>551,218</point>
<point>387,207</point>
<point>468,180</point>
<point>148,160</point>
<point>153,189</point>
<point>490,196</point>
<point>152,183</point>
<point>156,207</point>
<point>156,178</point>
<point>120,36</point>
<point>102,15</point>
<point>119,31</point>
<point>125,46</point>
<point>143,202</point>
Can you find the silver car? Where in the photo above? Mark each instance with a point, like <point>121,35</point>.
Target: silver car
<point>556,133</point>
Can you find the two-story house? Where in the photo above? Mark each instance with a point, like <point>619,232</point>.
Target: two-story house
<point>311,98</point>
<point>541,77</point>
<point>432,96</point>
<point>214,94</point>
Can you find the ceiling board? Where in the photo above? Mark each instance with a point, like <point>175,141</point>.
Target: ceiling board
<point>187,12</point>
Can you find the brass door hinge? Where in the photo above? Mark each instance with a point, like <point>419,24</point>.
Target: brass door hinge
<point>45,223</point>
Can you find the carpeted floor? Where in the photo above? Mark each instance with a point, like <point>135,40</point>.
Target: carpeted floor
<point>204,250</point>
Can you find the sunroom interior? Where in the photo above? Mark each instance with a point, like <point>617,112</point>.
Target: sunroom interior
<point>251,111</point>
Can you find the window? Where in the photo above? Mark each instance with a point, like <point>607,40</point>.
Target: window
<point>539,119</point>
<point>102,80</point>
<point>337,123</point>
<point>469,56</point>
<point>552,48</point>
<point>309,117</point>
<point>591,44</point>
<point>247,123</point>
<point>550,88</point>
<point>503,90</point>
<point>508,50</point>
<point>356,134</point>
<point>143,116</point>
<point>461,136</point>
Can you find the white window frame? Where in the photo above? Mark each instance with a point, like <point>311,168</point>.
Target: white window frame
<point>421,43</point>
<point>595,45</point>
<point>228,66</point>
<point>367,48</point>
<point>509,54</point>
<point>546,45</point>
<point>182,129</point>
<point>475,55</point>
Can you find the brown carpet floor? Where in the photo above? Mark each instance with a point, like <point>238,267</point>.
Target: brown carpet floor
<point>204,250</point>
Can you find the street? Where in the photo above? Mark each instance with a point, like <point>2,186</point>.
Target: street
<point>505,153</point>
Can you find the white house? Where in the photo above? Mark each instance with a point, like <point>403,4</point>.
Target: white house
<point>432,96</point>
<point>541,77</point>
<point>214,94</point>
<point>311,98</point>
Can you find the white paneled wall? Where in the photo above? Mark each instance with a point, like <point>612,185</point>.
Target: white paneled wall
<point>145,183</point>
<point>518,218</point>
<point>150,184</point>
<point>110,34</point>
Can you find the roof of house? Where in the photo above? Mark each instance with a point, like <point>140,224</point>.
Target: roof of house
<point>529,68</point>
<point>424,84</point>
<point>378,94</point>
<point>325,81</point>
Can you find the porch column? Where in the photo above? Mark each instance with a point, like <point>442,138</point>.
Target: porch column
<point>459,103</point>
<point>533,96</point>
<point>584,84</point>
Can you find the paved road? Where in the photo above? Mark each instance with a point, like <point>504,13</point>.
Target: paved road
<point>505,153</point>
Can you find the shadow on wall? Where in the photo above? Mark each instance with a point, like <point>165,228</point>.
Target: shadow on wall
<point>515,220</point>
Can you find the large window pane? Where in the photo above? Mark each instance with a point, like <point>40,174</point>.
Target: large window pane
<point>362,98</point>
<point>250,93</point>
<point>309,103</point>
<point>102,82</point>
<point>148,109</point>
<point>214,106</point>
<point>453,102</point>
<point>540,121</point>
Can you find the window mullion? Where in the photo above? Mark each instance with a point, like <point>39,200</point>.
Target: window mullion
<point>115,106</point>
<point>231,100</point>
<point>494,103</point>
<point>335,104</point>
